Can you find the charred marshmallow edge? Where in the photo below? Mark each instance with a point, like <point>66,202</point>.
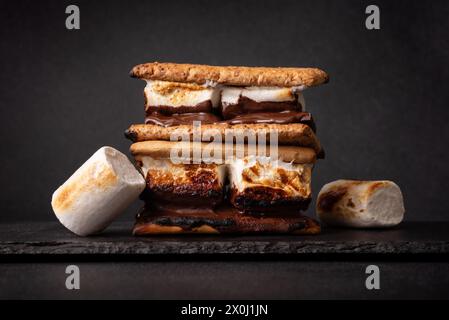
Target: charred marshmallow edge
<point>361,204</point>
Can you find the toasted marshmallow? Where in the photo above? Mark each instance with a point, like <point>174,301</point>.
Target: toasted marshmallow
<point>177,94</point>
<point>256,171</point>
<point>165,169</point>
<point>231,95</point>
<point>168,181</point>
<point>97,192</point>
<point>360,204</point>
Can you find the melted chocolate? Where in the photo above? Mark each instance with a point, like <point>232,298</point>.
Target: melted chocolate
<point>187,200</point>
<point>245,105</point>
<point>260,200</point>
<point>284,117</point>
<point>224,219</point>
<point>180,118</point>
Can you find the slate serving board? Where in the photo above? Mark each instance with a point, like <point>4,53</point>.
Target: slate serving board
<point>51,238</point>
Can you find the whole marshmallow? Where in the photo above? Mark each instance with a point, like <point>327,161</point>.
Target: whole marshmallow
<point>97,192</point>
<point>360,204</point>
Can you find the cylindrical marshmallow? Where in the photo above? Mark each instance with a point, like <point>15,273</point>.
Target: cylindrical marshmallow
<point>360,204</point>
<point>102,188</point>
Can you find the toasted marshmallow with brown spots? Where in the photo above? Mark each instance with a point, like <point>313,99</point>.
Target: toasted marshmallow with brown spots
<point>188,184</point>
<point>231,95</point>
<point>179,97</point>
<point>360,204</point>
<point>261,184</point>
<point>97,192</point>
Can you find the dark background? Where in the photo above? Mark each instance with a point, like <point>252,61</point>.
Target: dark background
<point>65,93</point>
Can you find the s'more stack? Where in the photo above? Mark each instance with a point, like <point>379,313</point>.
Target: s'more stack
<point>225,149</point>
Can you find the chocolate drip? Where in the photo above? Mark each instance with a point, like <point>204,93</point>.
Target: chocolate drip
<point>224,219</point>
<point>262,200</point>
<point>284,117</point>
<point>182,200</point>
<point>245,105</point>
<point>180,118</point>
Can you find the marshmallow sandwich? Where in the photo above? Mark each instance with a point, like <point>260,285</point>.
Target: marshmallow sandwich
<point>245,186</point>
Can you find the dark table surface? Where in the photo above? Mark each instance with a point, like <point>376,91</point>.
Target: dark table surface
<point>412,259</point>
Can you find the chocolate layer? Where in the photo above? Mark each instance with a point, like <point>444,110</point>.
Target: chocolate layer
<point>256,200</point>
<point>153,220</point>
<point>245,105</point>
<point>177,119</point>
<point>193,197</point>
<point>229,111</point>
<point>284,117</point>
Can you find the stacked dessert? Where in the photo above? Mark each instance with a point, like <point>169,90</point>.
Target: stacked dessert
<point>225,149</point>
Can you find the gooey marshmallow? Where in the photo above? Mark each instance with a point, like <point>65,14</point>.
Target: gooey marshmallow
<point>361,204</point>
<point>102,188</point>
<point>180,173</point>
<point>257,171</point>
<point>176,94</point>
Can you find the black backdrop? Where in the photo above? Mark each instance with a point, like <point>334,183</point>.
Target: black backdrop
<point>64,94</point>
